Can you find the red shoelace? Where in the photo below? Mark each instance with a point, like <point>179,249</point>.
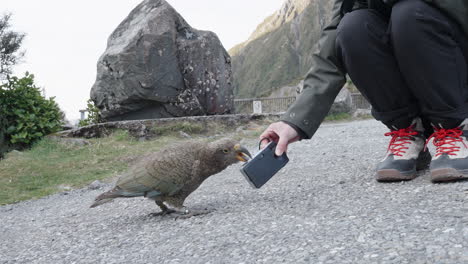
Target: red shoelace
<point>445,139</point>
<point>400,138</point>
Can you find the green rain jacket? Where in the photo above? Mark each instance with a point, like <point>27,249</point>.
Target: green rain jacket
<point>327,75</point>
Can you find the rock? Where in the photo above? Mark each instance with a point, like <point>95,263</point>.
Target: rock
<point>156,65</point>
<point>64,188</point>
<point>299,88</point>
<point>95,185</point>
<point>361,113</point>
<point>289,35</point>
<point>68,125</point>
<point>184,135</point>
<point>136,127</point>
<point>343,103</point>
<point>240,129</point>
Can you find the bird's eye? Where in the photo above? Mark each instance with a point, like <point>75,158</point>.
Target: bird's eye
<point>225,150</point>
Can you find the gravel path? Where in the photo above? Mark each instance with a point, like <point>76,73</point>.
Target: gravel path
<point>324,207</point>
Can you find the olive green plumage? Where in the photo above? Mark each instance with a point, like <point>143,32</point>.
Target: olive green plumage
<point>172,174</point>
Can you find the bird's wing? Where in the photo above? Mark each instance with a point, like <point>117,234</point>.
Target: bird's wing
<point>132,182</point>
<point>164,173</point>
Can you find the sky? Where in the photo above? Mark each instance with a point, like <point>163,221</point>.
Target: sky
<point>64,38</point>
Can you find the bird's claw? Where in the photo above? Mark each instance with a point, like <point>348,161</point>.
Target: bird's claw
<point>188,214</point>
<point>181,214</point>
<point>163,213</point>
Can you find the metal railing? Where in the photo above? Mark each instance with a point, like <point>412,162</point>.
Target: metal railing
<point>281,104</point>
<point>263,105</point>
<point>359,101</point>
<point>277,104</point>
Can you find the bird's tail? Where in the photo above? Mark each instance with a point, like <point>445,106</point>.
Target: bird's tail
<point>107,197</point>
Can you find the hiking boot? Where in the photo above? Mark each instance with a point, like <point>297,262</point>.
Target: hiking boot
<point>406,154</point>
<point>451,159</point>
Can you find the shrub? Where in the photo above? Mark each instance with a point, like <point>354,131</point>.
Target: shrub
<point>93,115</point>
<point>28,115</point>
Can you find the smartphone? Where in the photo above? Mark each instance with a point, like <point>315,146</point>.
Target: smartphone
<point>263,166</point>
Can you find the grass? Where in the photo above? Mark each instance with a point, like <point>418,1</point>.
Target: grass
<point>51,165</point>
<point>338,117</point>
<point>186,127</point>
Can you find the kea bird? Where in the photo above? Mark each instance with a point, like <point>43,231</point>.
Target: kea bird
<point>171,174</point>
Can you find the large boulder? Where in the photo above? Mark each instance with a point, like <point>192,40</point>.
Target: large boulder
<point>156,65</point>
<point>343,102</point>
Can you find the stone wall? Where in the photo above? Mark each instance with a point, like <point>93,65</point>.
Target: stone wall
<point>144,129</point>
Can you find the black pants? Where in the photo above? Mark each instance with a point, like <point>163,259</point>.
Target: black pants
<point>412,64</point>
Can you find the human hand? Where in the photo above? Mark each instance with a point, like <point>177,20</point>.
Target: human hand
<point>281,133</point>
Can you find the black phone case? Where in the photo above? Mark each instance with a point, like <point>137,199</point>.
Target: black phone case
<point>264,165</point>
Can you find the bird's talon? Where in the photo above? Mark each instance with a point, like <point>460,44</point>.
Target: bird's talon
<point>163,213</point>
<point>188,214</point>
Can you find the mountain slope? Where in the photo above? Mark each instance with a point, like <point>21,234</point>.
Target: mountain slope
<point>279,52</point>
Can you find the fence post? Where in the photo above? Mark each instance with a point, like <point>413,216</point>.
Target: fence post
<point>82,114</point>
<point>257,107</point>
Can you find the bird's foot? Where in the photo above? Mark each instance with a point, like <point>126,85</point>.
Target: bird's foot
<point>185,214</point>
<point>181,213</point>
<point>163,213</point>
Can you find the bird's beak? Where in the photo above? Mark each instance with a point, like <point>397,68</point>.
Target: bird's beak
<point>242,153</point>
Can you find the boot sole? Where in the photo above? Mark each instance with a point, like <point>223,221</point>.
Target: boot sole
<point>392,175</point>
<point>448,175</point>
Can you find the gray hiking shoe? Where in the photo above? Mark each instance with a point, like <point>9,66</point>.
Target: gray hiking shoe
<point>406,154</point>
<point>451,160</point>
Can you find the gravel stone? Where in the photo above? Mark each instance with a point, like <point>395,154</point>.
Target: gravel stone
<point>96,185</point>
<point>323,207</point>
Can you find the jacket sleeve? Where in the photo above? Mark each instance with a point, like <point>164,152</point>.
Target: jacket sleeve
<point>322,83</point>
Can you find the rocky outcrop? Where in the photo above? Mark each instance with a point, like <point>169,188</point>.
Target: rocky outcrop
<point>156,65</point>
<point>145,129</point>
<point>343,103</point>
<point>288,11</point>
<point>290,34</point>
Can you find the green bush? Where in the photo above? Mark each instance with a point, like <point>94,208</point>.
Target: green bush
<point>28,115</point>
<point>93,115</point>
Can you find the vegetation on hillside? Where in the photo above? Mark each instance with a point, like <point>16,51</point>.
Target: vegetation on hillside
<point>281,57</point>
<point>93,115</point>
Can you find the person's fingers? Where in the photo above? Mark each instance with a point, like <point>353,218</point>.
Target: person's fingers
<point>281,133</point>
<point>282,146</point>
<point>264,141</point>
<point>270,134</point>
